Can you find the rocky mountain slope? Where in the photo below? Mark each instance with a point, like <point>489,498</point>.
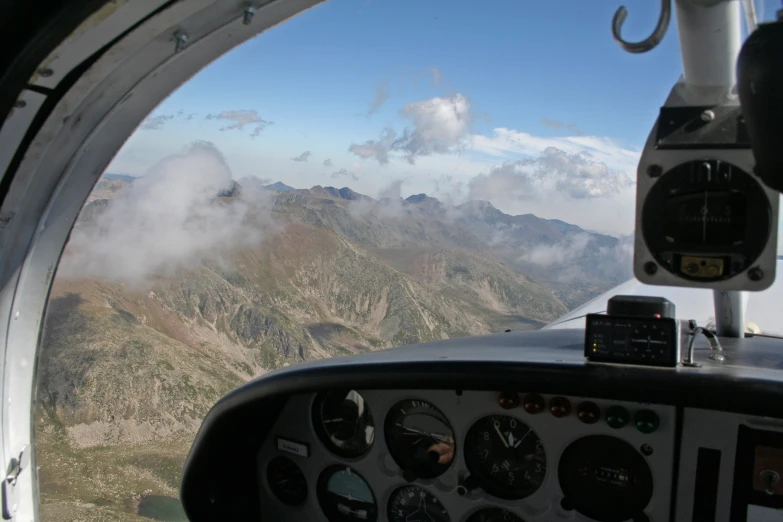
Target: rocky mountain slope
<point>129,369</point>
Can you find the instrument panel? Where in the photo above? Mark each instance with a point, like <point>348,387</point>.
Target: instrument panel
<point>466,456</point>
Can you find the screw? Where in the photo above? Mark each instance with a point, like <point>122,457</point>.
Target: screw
<point>654,171</point>
<point>646,450</point>
<point>707,116</point>
<point>180,41</point>
<point>20,104</point>
<point>770,479</point>
<point>650,268</point>
<point>247,16</point>
<point>46,72</point>
<point>755,274</point>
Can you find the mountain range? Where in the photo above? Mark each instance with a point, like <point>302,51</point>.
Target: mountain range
<point>129,368</point>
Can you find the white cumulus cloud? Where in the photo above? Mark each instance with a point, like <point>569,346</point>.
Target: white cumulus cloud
<point>575,175</point>
<point>168,219</point>
<point>440,124</point>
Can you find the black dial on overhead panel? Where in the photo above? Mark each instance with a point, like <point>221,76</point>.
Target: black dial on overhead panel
<point>505,456</point>
<point>413,504</point>
<point>494,514</point>
<point>419,438</point>
<point>286,481</point>
<point>345,496</point>
<point>706,220</point>
<point>605,478</point>
<point>343,422</point>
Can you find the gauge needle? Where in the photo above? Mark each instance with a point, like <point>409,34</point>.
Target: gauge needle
<point>704,212</point>
<point>505,442</point>
<point>348,496</point>
<point>327,421</point>
<point>414,431</point>
<point>523,438</point>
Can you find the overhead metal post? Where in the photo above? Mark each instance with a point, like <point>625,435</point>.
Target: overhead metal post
<point>710,40</point>
<point>710,34</point>
<point>730,313</point>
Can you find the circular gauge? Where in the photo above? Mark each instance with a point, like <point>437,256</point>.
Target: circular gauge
<point>344,496</point>
<point>605,478</point>
<point>505,456</point>
<point>493,514</point>
<point>414,503</point>
<point>286,481</point>
<point>706,220</point>
<point>344,423</point>
<point>420,438</point>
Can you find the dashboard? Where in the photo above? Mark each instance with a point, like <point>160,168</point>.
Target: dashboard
<point>497,428</point>
<point>472,456</point>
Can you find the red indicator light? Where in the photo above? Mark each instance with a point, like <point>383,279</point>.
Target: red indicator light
<point>508,400</point>
<point>588,412</point>
<point>559,407</point>
<point>534,403</point>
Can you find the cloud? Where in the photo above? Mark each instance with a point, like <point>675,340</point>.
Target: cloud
<point>440,124</point>
<point>508,143</point>
<point>166,220</point>
<point>389,206</point>
<point>557,253</point>
<point>239,119</point>
<point>303,156</point>
<point>437,76</point>
<point>342,173</point>
<point>552,124</point>
<point>376,149</point>
<point>557,124</point>
<point>190,116</point>
<point>156,122</point>
<point>392,191</point>
<point>562,259</point>
<point>381,95</point>
<point>328,163</point>
<point>578,176</point>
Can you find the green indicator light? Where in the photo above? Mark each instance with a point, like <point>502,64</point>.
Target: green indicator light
<point>646,421</point>
<point>617,417</point>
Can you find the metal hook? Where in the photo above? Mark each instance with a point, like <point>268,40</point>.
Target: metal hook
<point>651,41</point>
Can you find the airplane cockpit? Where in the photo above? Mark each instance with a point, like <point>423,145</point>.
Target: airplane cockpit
<point>629,408</point>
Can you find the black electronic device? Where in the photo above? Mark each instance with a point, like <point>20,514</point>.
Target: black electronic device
<point>640,306</point>
<point>637,330</point>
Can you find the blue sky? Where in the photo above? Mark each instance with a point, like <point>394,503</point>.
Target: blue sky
<point>521,76</point>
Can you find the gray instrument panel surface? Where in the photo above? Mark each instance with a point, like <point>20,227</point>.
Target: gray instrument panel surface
<point>384,476</point>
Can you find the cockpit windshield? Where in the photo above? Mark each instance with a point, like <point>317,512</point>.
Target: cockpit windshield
<point>367,175</point>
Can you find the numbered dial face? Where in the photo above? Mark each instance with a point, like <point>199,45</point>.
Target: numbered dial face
<point>414,503</point>
<point>286,481</point>
<point>494,514</point>
<point>420,438</point>
<point>345,496</point>
<point>344,423</point>
<point>505,456</point>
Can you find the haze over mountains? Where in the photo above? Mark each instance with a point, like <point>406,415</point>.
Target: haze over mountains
<point>175,289</point>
